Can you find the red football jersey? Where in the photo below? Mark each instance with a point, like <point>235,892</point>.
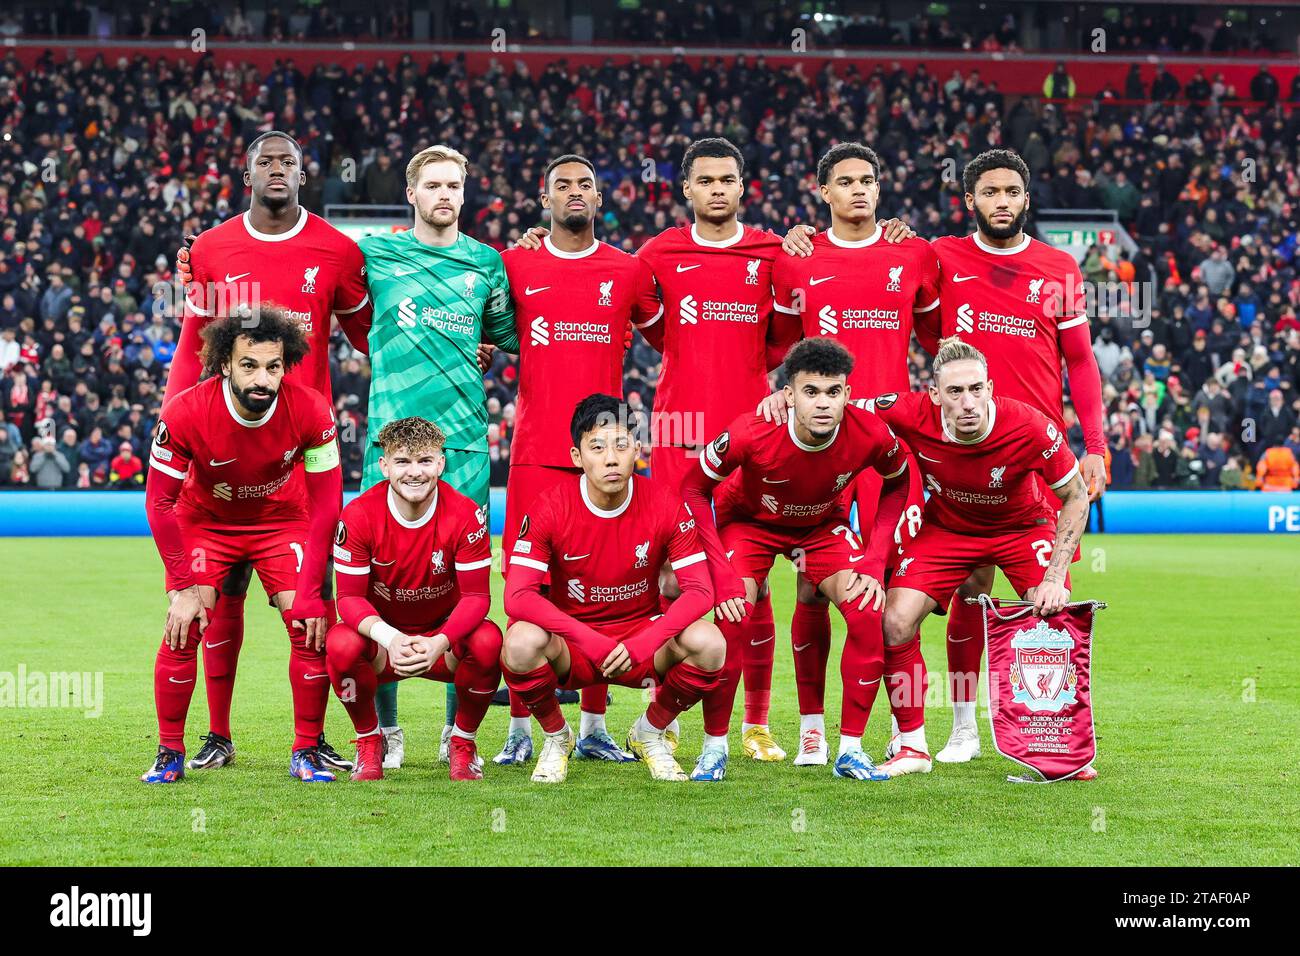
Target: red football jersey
<point>571,310</point>
<point>238,469</point>
<point>604,565</point>
<point>782,481</point>
<point>412,565</point>
<point>1011,304</point>
<point>717,299</point>
<point>863,294</point>
<point>313,271</point>
<point>986,486</point>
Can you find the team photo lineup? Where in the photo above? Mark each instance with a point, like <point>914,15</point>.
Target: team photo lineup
<point>604,585</point>
<point>895,428</point>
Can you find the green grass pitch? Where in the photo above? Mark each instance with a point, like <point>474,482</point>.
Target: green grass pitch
<point>1197,691</point>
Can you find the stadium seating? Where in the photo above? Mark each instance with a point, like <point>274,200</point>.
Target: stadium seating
<point>104,166</point>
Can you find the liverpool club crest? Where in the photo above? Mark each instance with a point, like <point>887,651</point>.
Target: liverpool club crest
<point>1042,675</point>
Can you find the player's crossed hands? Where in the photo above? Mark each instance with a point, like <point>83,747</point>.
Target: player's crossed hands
<point>185,607</point>
<point>617,662</point>
<point>413,655</point>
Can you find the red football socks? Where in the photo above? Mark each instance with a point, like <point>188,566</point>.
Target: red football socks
<point>965,648</point>
<point>861,666</point>
<point>174,673</point>
<point>760,646</point>
<point>221,643</point>
<point>810,639</point>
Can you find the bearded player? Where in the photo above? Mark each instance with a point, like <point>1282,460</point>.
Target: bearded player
<point>276,252</point>
<point>223,459</point>
<point>576,301</point>
<point>865,294</point>
<point>785,497</point>
<point>437,293</point>
<point>602,538</point>
<point>986,462</point>
<point>413,559</point>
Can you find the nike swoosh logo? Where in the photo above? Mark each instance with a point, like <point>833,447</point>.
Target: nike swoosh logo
<point>398,273</point>
<point>213,463</point>
<point>576,557</point>
<point>957,278</point>
<point>802,647</point>
<point>775,481</point>
<point>314,676</point>
<point>175,681</point>
<point>820,281</point>
<point>925,457</point>
<point>853,559</point>
<point>383,564</point>
<point>763,641</point>
<point>868,683</point>
<point>230,278</point>
<point>219,643</point>
<point>475,690</point>
<point>682,268</point>
<point>529,290</point>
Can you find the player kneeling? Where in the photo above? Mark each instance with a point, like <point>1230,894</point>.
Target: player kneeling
<point>603,536</point>
<point>982,461</point>
<point>413,562</point>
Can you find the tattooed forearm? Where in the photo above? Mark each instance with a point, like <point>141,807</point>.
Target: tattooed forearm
<point>1070,526</point>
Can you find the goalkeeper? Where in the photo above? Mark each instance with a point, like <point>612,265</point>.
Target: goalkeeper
<point>436,295</point>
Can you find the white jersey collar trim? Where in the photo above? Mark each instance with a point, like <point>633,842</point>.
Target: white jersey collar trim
<point>281,237</point>
<point>993,417</point>
<point>871,240</point>
<point>418,522</point>
<point>789,425</point>
<point>600,512</point>
<point>721,243</point>
<point>994,250</point>
<point>561,254</point>
<point>230,406</point>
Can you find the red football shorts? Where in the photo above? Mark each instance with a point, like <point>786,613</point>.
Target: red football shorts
<point>865,493</point>
<point>524,484</point>
<point>937,560</point>
<point>819,551</point>
<point>584,672</point>
<point>274,550</point>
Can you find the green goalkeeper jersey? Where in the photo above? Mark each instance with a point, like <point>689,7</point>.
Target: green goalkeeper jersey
<point>432,305</point>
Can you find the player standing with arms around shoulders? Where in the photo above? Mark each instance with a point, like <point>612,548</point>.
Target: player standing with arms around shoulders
<point>237,437</point>
<point>276,252</point>
<point>437,293</point>
<point>414,558</point>
<point>986,463</point>
<point>785,497</point>
<point>605,535</point>
<point>576,301</point>
<point>866,294</point>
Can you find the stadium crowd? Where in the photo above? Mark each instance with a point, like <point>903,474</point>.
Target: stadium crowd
<point>987,28</point>
<point>105,166</point>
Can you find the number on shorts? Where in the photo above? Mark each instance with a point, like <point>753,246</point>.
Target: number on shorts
<point>297,553</point>
<point>1042,551</point>
<point>849,536</point>
<point>912,515</point>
